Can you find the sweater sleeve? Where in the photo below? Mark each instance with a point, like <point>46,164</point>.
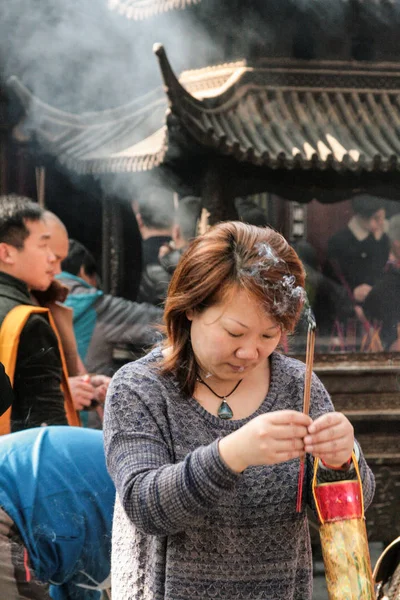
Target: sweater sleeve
<point>159,497</point>
<point>124,321</point>
<point>38,395</point>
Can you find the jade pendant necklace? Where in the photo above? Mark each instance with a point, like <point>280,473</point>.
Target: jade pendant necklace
<point>224,410</point>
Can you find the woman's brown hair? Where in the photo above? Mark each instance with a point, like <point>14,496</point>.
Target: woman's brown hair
<point>231,255</point>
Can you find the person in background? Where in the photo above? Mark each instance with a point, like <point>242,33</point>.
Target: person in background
<point>249,212</point>
<point>88,391</point>
<point>184,229</point>
<point>100,320</point>
<point>382,305</point>
<point>328,300</point>
<point>357,255</point>
<point>27,262</point>
<point>56,506</point>
<point>154,213</point>
<point>203,436</point>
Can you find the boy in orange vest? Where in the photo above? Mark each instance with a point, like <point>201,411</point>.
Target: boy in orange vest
<point>30,344</point>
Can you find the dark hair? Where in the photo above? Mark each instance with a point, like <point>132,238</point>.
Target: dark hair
<point>366,205</point>
<point>307,253</point>
<point>79,256</point>
<point>188,215</point>
<point>156,208</point>
<point>249,212</point>
<point>228,256</point>
<point>15,211</point>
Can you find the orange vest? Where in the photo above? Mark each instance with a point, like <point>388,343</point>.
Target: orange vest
<point>10,332</point>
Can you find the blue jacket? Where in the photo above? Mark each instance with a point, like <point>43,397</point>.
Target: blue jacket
<point>102,321</point>
<point>55,487</point>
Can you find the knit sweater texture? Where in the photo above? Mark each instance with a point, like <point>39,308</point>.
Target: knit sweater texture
<point>186,527</point>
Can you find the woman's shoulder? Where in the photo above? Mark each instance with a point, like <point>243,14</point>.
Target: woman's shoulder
<point>148,364</point>
<point>283,365</point>
<point>139,391</point>
<point>288,375</point>
<point>143,375</point>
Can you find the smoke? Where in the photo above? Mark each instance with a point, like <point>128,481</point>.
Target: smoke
<point>79,56</point>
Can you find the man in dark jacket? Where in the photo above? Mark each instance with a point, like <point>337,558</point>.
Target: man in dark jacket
<point>154,213</point>
<point>382,305</point>
<point>27,262</point>
<point>184,229</point>
<point>102,321</point>
<point>6,391</point>
<point>357,254</point>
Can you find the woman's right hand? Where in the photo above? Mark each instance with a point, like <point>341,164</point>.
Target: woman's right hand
<point>268,439</point>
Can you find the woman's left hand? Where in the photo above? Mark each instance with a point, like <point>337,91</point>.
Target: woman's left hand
<point>330,438</point>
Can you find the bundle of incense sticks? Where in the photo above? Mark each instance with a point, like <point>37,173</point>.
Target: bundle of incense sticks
<point>306,403</point>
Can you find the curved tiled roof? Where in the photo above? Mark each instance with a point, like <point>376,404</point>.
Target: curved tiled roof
<point>133,137</point>
<point>333,115</point>
<point>130,138</point>
<point>142,9</point>
<point>280,114</point>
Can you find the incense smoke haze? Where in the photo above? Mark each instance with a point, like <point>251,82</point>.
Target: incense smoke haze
<point>80,56</point>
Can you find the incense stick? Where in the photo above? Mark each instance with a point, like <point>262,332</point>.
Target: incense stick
<point>306,403</point>
<point>309,368</point>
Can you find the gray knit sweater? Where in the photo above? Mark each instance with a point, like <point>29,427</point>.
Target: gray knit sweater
<point>185,526</point>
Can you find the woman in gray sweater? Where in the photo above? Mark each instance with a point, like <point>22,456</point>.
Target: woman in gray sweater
<point>203,435</point>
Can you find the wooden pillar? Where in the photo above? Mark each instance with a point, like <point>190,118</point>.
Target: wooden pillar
<point>217,193</point>
<point>107,244</point>
<point>40,173</point>
<point>22,185</point>
<point>121,249</point>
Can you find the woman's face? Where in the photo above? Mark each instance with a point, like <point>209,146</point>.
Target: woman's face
<point>376,223</point>
<point>233,338</point>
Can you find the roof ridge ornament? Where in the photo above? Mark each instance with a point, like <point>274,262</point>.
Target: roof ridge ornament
<point>172,86</point>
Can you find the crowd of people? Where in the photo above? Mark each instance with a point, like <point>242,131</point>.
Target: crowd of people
<point>58,330</point>
<point>203,434</point>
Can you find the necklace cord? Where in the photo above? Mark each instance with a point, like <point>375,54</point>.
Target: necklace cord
<point>215,393</point>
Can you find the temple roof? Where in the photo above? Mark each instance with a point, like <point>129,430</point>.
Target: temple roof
<point>129,138</point>
<point>133,137</point>
<point>279,114</point>
<point>142,9</point>
<point>314,115</point>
